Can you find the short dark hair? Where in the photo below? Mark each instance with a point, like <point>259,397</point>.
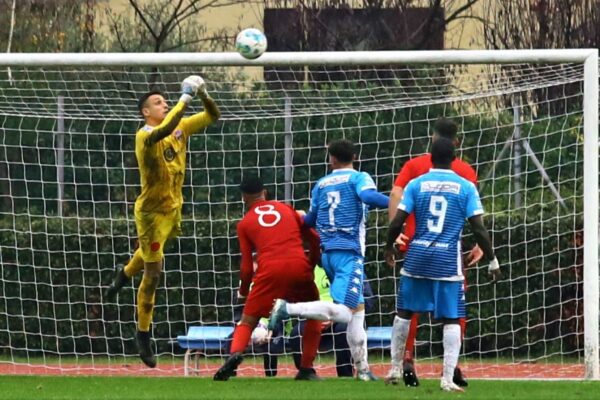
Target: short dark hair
<point>445,128</point>
<point>442,151</point>
<point>342,149</point>
<point>142,100</point>
<point>251,184</point>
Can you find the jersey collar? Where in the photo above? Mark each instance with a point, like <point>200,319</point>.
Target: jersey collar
<point>446,171</point>
<point>343,169</point>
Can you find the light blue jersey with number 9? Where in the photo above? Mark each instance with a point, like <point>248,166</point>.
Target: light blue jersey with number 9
<point>341,214</point>
<point>441,201</point>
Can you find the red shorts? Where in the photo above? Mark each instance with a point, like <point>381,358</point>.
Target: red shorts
<point>291,280</point>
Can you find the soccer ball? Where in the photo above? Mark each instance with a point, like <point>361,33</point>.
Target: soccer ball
<point>251,43</point>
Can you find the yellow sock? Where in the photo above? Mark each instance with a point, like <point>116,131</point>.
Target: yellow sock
<point>145,302</point>
<point>135,265</point>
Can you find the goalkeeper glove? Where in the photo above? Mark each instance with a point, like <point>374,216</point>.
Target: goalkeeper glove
<point>190,87</point>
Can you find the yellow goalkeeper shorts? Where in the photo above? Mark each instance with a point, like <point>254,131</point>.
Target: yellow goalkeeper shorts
<point>153,231</point>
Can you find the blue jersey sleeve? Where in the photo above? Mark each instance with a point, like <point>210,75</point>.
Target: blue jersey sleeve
<point>363,181</point>
<point>474,206</point>
<point>407,204</point>
<point>310,218</point>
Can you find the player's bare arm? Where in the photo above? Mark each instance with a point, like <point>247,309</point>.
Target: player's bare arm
<point>395,197</point>
<point>394,230</point>
<point>482,237</point>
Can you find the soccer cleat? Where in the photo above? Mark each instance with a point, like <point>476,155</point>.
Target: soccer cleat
<point>278,314</point>
<point>366,376</point>
<point>307,374</point>
<point>144,343</point>
<point>119,280</point>
<point>409,375</point>
<point>448,386</point>
<point>459,378</point>
<point>229,368</point>
<point>393,377</point>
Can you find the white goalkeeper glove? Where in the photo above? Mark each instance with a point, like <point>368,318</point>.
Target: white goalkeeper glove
<point>494,269</point>
<point>191,86</point>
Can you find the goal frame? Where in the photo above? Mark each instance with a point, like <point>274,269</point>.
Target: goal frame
<point>587,57</point>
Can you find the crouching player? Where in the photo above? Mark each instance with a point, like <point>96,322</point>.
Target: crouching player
<point>276,233</point>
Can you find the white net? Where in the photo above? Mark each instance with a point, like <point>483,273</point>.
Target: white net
<point>68,181</point>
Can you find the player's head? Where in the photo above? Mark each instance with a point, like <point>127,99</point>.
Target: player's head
<point>341,153</point>
<point>442,153</point>
<point>446,128</point>
<point>153,107</point>
<point>252,189</point>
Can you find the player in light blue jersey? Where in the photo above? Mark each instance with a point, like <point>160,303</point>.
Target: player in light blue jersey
<point>432,278</point>
<point>338,210</point>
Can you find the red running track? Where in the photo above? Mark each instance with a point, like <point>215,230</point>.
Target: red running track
<point>254,368</point>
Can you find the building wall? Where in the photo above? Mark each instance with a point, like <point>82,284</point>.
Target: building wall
<point>460,34</point>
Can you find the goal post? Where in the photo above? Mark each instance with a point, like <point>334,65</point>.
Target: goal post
<point>280,126</point>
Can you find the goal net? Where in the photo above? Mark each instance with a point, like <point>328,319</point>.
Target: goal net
<point>69,179</point>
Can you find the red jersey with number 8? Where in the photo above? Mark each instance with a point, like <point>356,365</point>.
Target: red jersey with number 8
<point>274,231</point>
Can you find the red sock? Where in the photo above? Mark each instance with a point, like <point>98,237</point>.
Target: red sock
<point>412,338</point>
<point>311,337</point>
<point>463,327</point>
<point>241,338</point>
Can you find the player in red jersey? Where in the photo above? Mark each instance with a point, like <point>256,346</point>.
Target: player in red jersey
<point>276,233</point>
<point>414,168</point>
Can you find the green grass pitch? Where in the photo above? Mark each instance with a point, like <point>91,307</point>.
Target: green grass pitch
<point>108,388</point>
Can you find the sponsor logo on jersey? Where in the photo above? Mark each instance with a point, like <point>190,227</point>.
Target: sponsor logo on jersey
<point>428,243</point>
<point>334,180</point>
<point>169,154</point>
<point>440,187</point>
<point>178,134</point>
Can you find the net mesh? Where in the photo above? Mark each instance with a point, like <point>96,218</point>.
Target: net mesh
<point>68,181</point>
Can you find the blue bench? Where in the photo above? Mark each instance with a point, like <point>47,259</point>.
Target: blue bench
<point>379,337</point>
<point>202,339</point>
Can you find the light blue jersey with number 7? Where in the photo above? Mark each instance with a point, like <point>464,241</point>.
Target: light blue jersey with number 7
<point>441,201</point>
<point>340,213</point>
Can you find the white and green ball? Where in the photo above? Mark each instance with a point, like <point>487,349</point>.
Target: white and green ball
<point>251,43</point>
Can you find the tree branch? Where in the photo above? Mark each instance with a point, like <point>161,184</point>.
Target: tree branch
<point>140,14</point>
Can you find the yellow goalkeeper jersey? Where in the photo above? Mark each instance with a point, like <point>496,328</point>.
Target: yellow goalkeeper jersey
<point>162,164</point>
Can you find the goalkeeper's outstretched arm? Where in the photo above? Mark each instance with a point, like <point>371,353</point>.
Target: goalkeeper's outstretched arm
<point>189,88</point>
<point>202,119</point>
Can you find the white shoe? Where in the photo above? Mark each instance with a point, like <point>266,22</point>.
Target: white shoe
<point>366,376</point>
<point>449,386</point>
<point>393,377</point>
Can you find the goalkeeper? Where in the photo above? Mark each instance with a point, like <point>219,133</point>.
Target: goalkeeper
<point>160,149</point>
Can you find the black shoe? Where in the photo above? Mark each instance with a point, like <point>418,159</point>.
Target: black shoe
<point>459,379</point>
<point>144,343</point>
<point>307,374</point>
<point>229,369</point>
<point>409,375</point>
<point>119,280</point>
